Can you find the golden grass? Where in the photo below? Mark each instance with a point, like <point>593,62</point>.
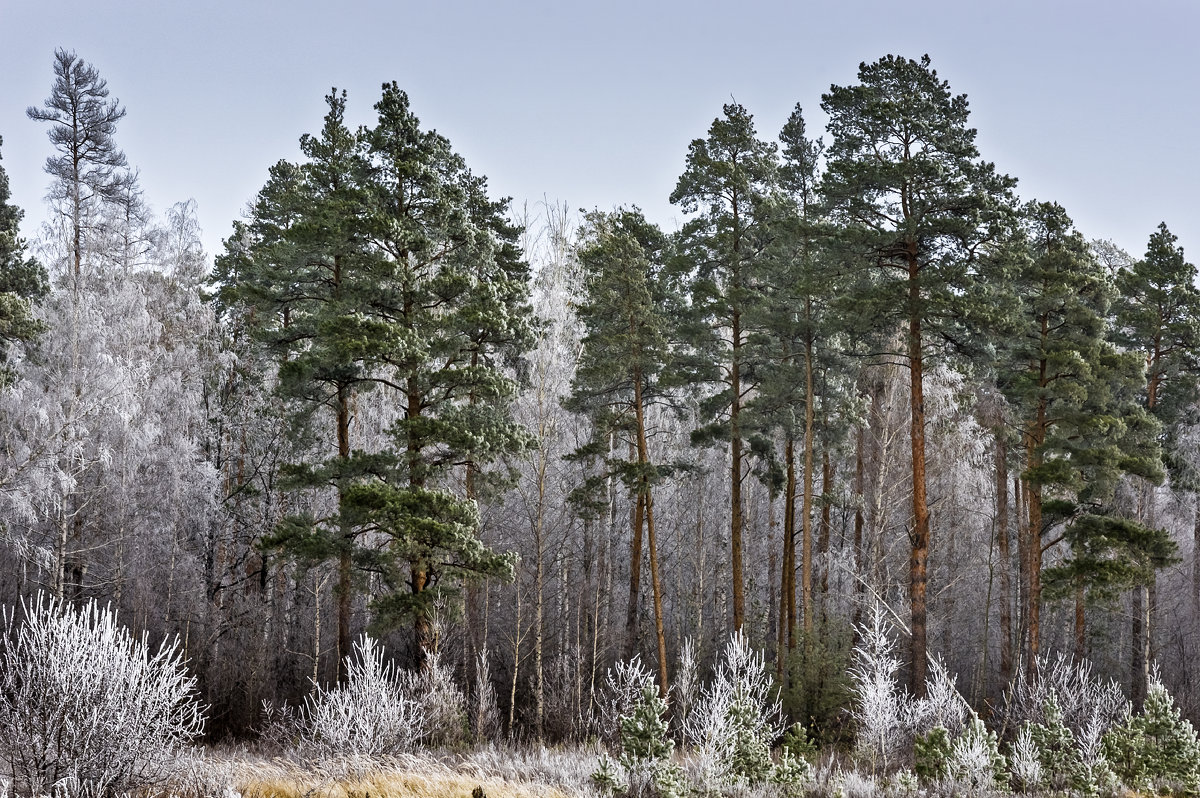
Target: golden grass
<point>389,785</point>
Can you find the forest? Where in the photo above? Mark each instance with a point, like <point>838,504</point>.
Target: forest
<point>870,478</point>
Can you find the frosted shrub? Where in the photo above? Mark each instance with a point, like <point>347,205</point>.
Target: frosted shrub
<point>685,690</point>
<point>879,707</point>
<point>644,741</point>
<point>1081,698</point>
<point>736,719</point>
<point>485,716</point>
<point>86,707</point>
<point>368,715</point>
<point>975,763</point>
<point>621,690</point>
<point>442,706</point>
<point>942,705</point>
<point>1023,759</point>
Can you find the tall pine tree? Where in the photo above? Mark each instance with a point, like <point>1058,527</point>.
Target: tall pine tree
<point>916,204</point>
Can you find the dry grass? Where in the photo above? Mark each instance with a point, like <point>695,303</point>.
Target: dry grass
<point>243,775</point>
<point>391,785</point>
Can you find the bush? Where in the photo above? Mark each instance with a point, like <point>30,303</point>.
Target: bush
<point>371,714</point>
<point>736,719</point>
<point>87,708</point>
<point>644,738</point>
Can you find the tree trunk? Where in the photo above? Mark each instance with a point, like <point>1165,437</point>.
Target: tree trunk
<point>646,496</point>
<point>860,558</point>
<point>345,585</point>
<point>806,552</point>
<point>1002,547</point>
<point>920,534</point>
<point>635,576</point>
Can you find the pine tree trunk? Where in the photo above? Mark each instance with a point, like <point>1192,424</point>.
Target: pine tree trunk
<point>637,513</point>
<point>920,534</point>
<point>860,556</point>
<point>345,585</point>
<point>1006,643</point>
<point>647,498</point>
<point>806,549</point>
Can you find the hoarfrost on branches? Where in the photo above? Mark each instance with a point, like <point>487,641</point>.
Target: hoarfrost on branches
<point>85,705</point>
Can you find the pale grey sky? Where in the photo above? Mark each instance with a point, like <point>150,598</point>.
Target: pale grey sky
<point>1091,104</point>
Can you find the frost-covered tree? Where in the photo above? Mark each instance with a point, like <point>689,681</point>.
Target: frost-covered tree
<point>89,170</point>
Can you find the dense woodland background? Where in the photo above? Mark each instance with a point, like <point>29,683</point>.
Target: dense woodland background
<point>538,441</point>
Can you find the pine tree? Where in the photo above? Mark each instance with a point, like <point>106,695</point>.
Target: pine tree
<point>454,289</point>
<point>381,263</point>
<point>617,380</point>
<point>1157,750</point>
<point>89,170</point>
<point>727,181</point>
<point>1157,313</point>
<point>22,278</point>
<point>917,206</point>
<point>1074,396</point>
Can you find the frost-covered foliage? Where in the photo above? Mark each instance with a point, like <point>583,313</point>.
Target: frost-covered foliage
<point>622,687</point>
<point>442,704</point>
<point>643,737</point>
<point>1157,750</point>
<point>942,705</point>
<point>1084,701</point>
<point>736,719</point>
<point>1067,711</point>
<point>975,763</point>
<point>880,704</point>
<point>485,715</point>
<point>371,714</point>
<point>685,690</point>
<point>1023,759</point>
<point>86,707</point>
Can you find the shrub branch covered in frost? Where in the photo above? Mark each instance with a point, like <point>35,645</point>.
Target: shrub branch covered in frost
<point>442,704</point>
<point>880,706</point>
<point>736,719</point>
<point>942,705</point>
<point>633,704</point>
<point>86,707</point>
<point>622,688</point>
<point>370,714</point>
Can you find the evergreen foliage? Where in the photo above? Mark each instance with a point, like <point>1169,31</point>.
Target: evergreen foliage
<point>916,205</point>
<point>22,279</point>
<point>1156,750</point>
<point>380,262</point>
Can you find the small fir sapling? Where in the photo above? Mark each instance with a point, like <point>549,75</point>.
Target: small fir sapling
<point>1158,749</point>
<point>643,738</point>
<point>1058,757</point>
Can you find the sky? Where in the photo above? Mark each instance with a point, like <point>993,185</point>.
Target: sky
<point>1089,103</point>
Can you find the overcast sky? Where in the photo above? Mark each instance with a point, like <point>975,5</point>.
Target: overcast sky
<point>1090,104</point>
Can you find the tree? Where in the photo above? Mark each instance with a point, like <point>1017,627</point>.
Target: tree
<point>89,170</point>
<point>454,289</point>
<point>302,271</point>
<point>625,352</point>
<point>1157,314</point>
<point>727,181</point>
<point>22,278</point>
<point>1074,398</point>
<point>917,205</point>
<point>380,262</point>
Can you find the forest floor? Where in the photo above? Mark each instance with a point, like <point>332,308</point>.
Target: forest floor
<point>490,771</point>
